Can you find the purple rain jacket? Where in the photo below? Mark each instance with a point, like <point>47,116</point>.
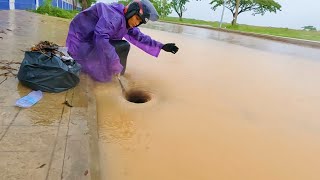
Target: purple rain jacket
<point>89,35</point>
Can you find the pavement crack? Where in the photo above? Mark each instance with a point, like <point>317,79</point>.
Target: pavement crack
<point>55,144</point>
<point>5,131</point>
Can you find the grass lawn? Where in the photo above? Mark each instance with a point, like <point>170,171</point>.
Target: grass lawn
<point>284,32</point>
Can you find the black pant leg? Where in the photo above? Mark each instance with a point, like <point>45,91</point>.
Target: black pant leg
<point>122,49</point>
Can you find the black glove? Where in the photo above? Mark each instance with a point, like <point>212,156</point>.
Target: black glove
<point>170,47</point>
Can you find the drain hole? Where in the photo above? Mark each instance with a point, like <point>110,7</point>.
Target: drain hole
<point>138,96</point>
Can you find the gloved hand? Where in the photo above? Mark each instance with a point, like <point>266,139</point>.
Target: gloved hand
<point>170,47</point>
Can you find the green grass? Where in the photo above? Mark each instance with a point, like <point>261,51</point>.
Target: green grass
<point>283,32</point>
<point>54,11</point>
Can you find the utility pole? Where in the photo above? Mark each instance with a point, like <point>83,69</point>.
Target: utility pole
<point>224,6</point>
<point>11,4</point>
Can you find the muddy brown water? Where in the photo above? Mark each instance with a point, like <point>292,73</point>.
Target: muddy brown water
<point>229,108</point>
<point>218,111</point>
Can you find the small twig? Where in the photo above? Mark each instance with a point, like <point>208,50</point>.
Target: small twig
<point>3,80</point>
<point>4,74</point>
<point>9,63</point>
<point>67,103</point>
<point>7,68</point>
<point>41,166</point>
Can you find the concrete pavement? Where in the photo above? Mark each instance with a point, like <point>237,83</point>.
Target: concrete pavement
<point>49,140</point>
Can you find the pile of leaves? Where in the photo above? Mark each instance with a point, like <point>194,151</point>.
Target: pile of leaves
<point>45,46</point>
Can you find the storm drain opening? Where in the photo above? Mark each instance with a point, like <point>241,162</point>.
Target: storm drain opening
<point>137,96</point>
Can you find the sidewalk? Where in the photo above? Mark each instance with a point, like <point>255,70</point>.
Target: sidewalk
<point>49,140</point>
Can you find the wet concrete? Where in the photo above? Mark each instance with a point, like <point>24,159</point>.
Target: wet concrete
<point>218,111</point>
<point>49,140</point>
<point>22,30</point>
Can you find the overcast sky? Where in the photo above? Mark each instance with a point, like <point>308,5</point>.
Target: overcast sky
<point>295,14</point>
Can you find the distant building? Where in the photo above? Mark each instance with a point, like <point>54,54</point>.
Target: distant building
<point>34,4</point>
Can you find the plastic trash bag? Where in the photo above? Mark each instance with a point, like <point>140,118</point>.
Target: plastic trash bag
<point>50,72</point>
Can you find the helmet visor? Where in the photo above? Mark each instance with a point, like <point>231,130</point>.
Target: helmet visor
<point>149,11</point>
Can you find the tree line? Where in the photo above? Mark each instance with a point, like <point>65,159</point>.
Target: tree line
<point>236,7</point>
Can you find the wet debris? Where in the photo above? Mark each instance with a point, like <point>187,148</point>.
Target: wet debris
<point>67,103</point>
<point>3,32</point>
<point>86,172</point>
<point>7,67</point>
<point>4,80</point>
<point>8,29</point>
<point>41,166</point>
<point>45,46</point>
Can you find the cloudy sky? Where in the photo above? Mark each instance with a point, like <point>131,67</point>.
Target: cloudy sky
<point>295,14</point>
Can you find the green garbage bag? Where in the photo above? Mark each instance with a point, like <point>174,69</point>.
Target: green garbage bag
<point>48,71</point>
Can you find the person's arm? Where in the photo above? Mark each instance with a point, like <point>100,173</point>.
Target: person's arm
<point>144,42</point>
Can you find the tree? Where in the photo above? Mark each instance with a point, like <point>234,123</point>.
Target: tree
<point>162,7</point>
<point>236,13</point>
<point>256,6</point>
<point>124,2</point>
<point>74,4</point>
<point>179,7</point>
<point>309,28</point>
<point>86,3</point>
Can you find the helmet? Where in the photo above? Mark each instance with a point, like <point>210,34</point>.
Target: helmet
<point>143,8</point>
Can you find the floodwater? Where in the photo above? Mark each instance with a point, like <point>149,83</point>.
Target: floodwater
<point>219,110</point>
<point>237,107</point>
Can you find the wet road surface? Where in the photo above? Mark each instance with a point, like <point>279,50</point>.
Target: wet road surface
<point>237,39</point>
<point>219,110</point>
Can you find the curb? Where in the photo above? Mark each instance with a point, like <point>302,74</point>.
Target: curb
<point>93,132</point>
